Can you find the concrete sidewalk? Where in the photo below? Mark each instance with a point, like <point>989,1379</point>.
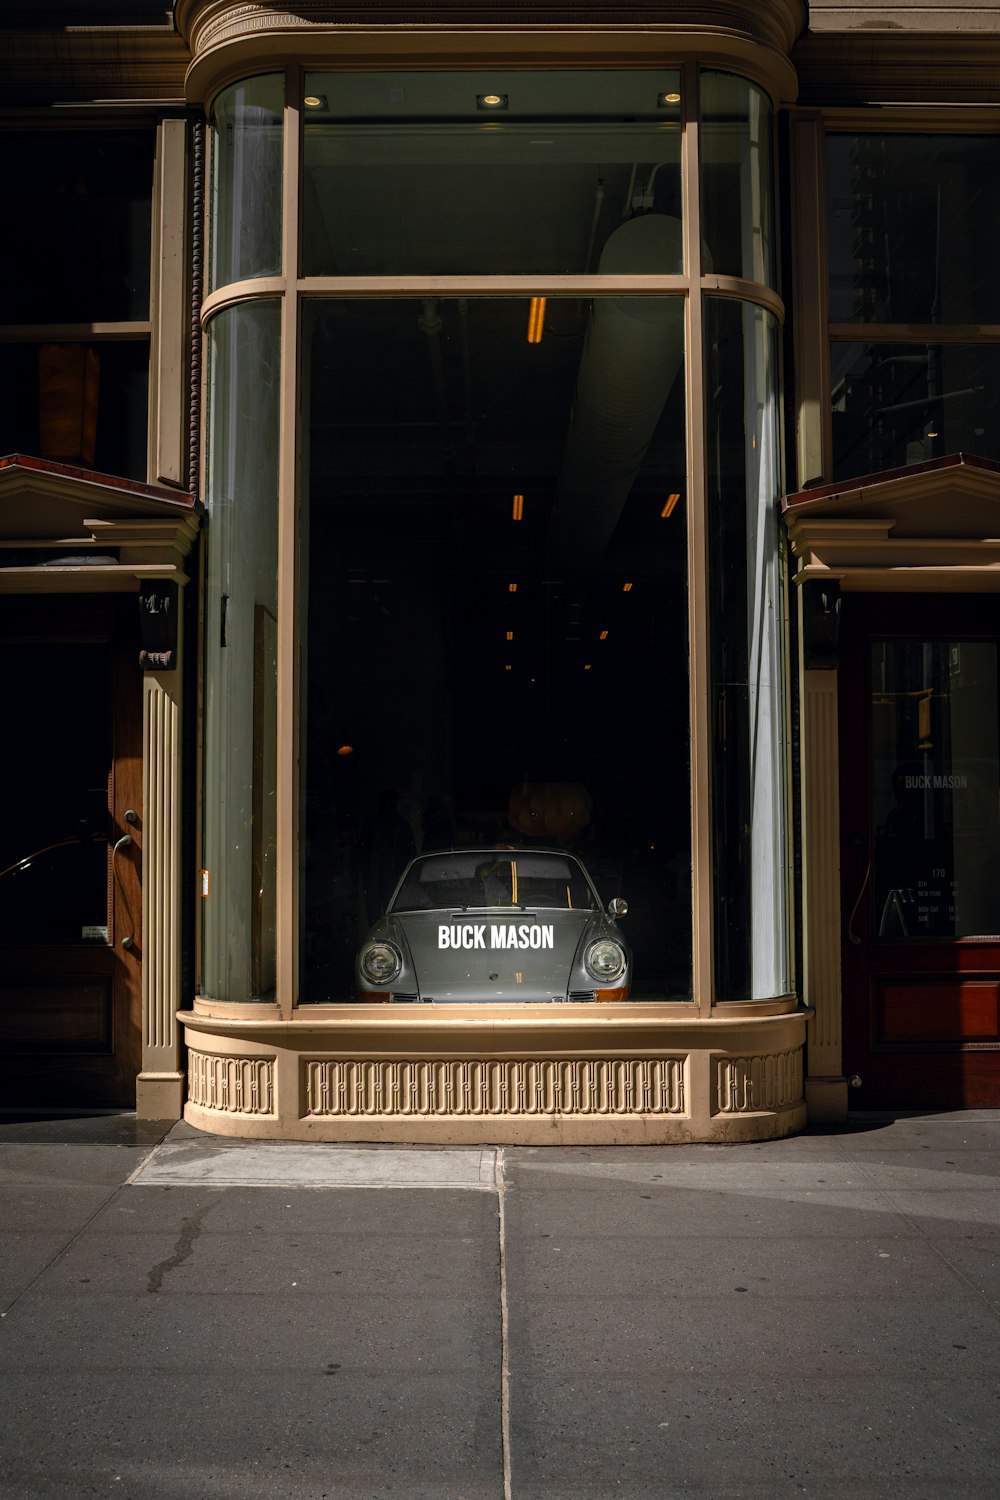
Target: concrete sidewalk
<point>197,1318</point>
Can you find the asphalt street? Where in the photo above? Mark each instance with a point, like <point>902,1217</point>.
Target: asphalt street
<point>187,1317</point>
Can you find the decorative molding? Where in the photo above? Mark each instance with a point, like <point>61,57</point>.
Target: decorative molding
<point>231,1085</point>
<point>774,23</point>
<point>896,66</point>
<point>477,1088</point>
<point>136,67</point>
<point>161,887</point>
<point>197,286</point>
<point>230,38</point>
<point>747,1084</point>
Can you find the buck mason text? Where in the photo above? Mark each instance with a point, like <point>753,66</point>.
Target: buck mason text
<point>473,935</point>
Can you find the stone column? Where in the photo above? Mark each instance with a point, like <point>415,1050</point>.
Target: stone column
<point>160,1084</point>
<point>825,1085</point>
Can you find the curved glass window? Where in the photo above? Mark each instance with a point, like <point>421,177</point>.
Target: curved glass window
<point>750,836</point>
<point>497,640</point>
<point>425,173</point>
<point>245,232</point>
<point>240,708</point>
<point>737,206</point>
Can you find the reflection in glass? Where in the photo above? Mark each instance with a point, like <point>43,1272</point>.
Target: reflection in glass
<point>245,224</point>
<point>409,174</point>
<point>496,641</point>
<point>935,788</point>
<point>98,419</point>
<point>746,616</point>
<point>240,717</point>
<point>737,202</point>
<point>81,250</point>
<point>914,228</point>
<point>897,404</point>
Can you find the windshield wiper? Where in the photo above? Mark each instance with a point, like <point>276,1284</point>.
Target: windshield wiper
<point>491,911</point>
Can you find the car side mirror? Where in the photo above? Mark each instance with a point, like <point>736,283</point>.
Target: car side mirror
<point>617,907</point>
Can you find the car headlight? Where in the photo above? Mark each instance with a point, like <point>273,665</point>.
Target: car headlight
<point>380,962</point>
<point>605,959</point>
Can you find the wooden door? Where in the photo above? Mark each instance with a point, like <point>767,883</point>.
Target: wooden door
<point>920,850</point>
<point>70,841</point>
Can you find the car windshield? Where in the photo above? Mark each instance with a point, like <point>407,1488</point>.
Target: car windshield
<point>503,879</point>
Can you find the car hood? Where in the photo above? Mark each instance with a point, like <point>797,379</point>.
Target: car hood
<point>495,957</point>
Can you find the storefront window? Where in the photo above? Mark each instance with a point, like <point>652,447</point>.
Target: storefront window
<point>457,173</point>
<point>496,624</point>
<point>746,610</point>
<point>736,176</point>
<point>935,788</point>
<point>240,712</point>
<point>245,237</point>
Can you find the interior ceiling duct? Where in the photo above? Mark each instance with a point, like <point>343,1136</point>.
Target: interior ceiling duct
<point>633,350</point>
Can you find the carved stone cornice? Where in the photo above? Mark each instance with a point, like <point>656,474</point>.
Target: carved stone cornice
<point>888,67</point>
<point>230,37</point>
<point>83,64</point>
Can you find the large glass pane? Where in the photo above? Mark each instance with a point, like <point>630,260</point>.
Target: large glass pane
<point>418,173</point>
<point>496,641</point>
<point>245,226</point>
<point>914,228</point>
<point>737,195</point>
<point>240,716</point>
<point>749,811</point>
<point>81,404</point>
<point>896,404</point>
<point>80,251</point>
<point>935,788</point>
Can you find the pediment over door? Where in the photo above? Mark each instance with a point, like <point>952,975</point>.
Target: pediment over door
<point>932,527</point>
<point>68,530</point>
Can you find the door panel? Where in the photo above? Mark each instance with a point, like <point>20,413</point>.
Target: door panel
<point>70,769</point>
<point>920,841</point>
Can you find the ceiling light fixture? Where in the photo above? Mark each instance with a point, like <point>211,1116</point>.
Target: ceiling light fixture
<point>669,505</point>
<point>491,101</point>
<point>586,666</point>
<point>510,635</point>
<point>345,749</point>
<point>512,588</point>
<point>315,101</point>
<point>626,588</point>
<point>603,635</point>
<point>506,666</point>
<point>663,101</point>
<point>518,511</point>
<point>536,320</point>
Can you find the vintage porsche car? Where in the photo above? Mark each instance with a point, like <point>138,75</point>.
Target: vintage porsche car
<point>494,926</point>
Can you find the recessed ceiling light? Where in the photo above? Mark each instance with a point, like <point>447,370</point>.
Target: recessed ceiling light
<point>664,100</point>
<point>315,101</point>
<point>491,101</point>
<point>345,749</point>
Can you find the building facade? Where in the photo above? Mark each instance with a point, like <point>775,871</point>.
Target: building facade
<point>449,430</point>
